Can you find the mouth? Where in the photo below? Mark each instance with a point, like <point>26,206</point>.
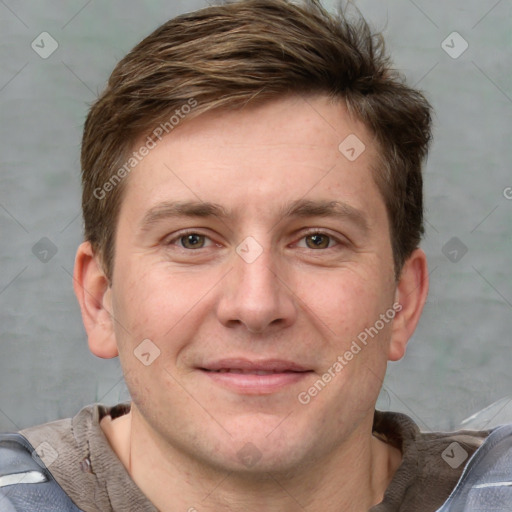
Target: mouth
<point>250,377</point>
<point>250,372</point>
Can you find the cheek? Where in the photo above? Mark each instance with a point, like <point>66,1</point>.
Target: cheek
<point>136,380</point>
<point>142,297</point>
<point>344,301</point>
<point>157,304</point>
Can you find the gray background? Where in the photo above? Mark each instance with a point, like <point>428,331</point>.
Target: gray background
<point>459,358</point>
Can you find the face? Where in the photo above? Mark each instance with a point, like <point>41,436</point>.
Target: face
<point>253,254</point>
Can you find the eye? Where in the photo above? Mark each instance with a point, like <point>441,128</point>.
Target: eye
<point>191,240</point>
<point>319,240</point>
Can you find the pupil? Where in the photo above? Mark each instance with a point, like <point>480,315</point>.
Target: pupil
<point>318,240</point>
<point>192,240</point>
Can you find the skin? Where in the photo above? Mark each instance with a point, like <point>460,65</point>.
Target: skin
<point>295,301</point>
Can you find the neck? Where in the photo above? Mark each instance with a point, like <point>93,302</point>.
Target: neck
<point>353,478</point>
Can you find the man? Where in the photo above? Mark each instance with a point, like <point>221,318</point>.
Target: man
<point>252,197</point>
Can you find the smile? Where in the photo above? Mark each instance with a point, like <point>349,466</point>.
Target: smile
<point>247,377</point>
<point>251,372</point>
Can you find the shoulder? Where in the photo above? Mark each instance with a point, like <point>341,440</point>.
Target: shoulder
<point>84,463</point>
<point>71,436</point>
<point>432,462</point>
<point>25,481</point>
<point>486,481</point>
<point>403,432</point>
<point>69,448</point>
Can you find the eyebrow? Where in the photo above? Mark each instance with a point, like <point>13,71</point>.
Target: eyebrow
<point>300,208</point>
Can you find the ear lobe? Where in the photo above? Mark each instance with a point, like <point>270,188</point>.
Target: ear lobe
<point>94,296</point>
<point>411,294</point>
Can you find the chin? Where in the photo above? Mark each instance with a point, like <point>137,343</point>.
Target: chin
<point>259,450</point>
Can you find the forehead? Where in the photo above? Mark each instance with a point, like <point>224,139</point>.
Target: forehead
<point>256,158</point>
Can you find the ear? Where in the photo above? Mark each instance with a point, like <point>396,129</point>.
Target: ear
<point>411,294</point>
<point>93,292</point>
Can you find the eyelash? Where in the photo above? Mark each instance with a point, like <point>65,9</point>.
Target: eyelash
<point>310,232</point>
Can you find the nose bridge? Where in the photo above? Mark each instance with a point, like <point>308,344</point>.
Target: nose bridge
<point>255,295</point>
<point>255,273</point>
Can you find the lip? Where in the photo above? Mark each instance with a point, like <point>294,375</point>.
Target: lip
<point>242,363</point>
<point>246,376</point>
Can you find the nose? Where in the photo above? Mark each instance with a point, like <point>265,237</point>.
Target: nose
<point>256,294</point>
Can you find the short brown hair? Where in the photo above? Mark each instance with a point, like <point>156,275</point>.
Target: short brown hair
<point>227,55</point>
